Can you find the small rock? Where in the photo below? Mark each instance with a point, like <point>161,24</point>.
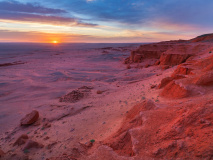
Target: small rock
<point>99,92</point>
<point>157,62</point>
<point>153,86</point>
<point>32,144</point>
<point>164,67</point>
<point>128,66</point>
<point>21,140</point>
<point>30,118</point>
<point>46,125</point>
<point>46,138</point>
<point>72,129</point>
<point>147,65</point>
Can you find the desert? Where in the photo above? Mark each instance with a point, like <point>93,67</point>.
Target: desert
<point>126,102</point>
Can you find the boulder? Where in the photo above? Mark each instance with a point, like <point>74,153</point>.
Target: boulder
<point>30,118</point>
<point>21,140</point>
<point>99,92</point>
<point>32,144</point>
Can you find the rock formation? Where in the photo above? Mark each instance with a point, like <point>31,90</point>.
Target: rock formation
<point>30,118</point>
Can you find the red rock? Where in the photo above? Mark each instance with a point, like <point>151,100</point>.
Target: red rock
<point>133,117</point>
<point>137,58</point>
<point>208,67</point>
<point>72,97</point>
<point>164,82</point>
<point>167,80</point>
<point>157,62</point>
<point>30,118</point>
<point>147,65</point>
<point>204,79</point>
<point>127,61</point>
<point>128,66</point>
<point>21,140</point>
<point>99,92</point>
<point>123,145</point>
<point>182,70</point>
<point>149,51</point>
<point>32,144</point>
<point>153,86</point>
<point>1,153</point>
<point>203,38</point>
<point>173,90</point>
<point>46,125</point>
<point>178,76</point>
<point>164,67</point>
<point>173,59</point>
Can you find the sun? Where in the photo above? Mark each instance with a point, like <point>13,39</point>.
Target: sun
<point>55,42</point>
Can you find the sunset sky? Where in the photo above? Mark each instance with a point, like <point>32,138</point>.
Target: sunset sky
<point>104,20</point>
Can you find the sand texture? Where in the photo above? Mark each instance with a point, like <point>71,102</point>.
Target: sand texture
<point>127,102</point>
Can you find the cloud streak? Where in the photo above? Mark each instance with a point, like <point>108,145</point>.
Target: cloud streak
<point>35,13</point>
<point>15,6</point>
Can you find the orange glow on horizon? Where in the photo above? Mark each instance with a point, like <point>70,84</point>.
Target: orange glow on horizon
<point>55,42</point>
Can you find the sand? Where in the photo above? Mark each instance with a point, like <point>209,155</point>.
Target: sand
<point>112,94</point>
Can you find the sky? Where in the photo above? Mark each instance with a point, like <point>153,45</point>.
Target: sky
<point>104,21</point>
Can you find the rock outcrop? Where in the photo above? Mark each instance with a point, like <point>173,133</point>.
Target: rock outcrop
<point>30,118</point>
<point>174,90</point>
<point>203,38</point>
<point>149,51</point>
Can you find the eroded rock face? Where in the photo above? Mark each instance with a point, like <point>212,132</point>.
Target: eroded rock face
<point>122,141</point>
<point>204,79</point>
<point>165,81</point>
<point>173,59</point>
<point>149,51</point>
<point>174,91</point>
<point>182,70</point>
<point>30,118</point>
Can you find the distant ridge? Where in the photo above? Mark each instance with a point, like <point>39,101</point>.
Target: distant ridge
<point>203,38</point>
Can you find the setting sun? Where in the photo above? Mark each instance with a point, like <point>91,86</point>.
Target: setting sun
<point>54,42</point>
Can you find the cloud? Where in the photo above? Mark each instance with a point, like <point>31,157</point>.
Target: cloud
<point>15,6</point>
<point>45,19</point>
<point>138,13</point>
<point>33,12</point>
